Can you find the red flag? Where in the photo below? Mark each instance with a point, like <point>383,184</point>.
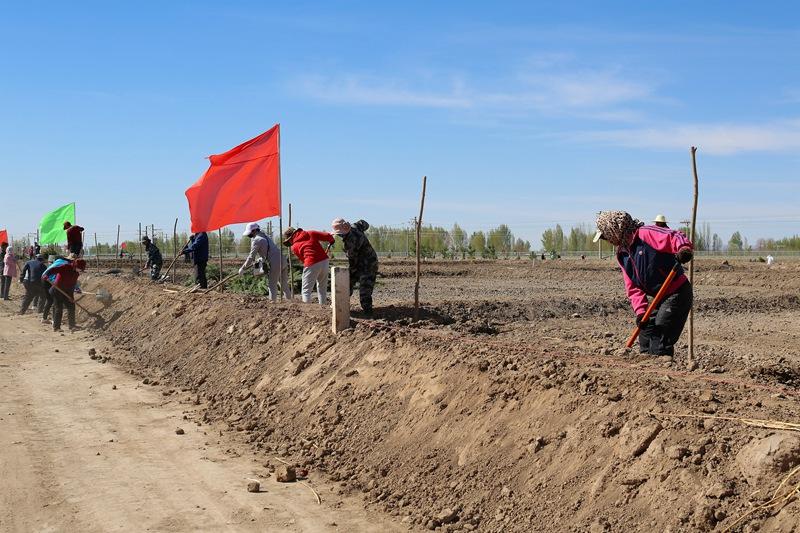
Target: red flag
<point>123,245</point>
<point>3,235</point>
<point>241,185</point>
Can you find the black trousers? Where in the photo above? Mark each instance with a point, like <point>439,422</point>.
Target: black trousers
<point>46,303</point>
<point>200,275</point>
<point>33,291</point>
<point>76,248</point>
<point>662,331</point>
<point>5,286</point>
<point>59,303</point>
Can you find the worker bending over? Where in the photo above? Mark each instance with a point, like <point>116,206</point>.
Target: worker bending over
<point>306,246</point>
<point>262,250</point>
<point>154,259</point>
<point>646,255</point>
<point>362,259</point>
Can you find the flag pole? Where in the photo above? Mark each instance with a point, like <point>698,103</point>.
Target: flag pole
<point>280,216</point>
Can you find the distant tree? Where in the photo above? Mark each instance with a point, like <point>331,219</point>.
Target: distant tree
<point>458,239</point>
<point>477,242</point>
<point>735,243</point>
<point>500,239</point>
<point>716,243</point>
<point>548,240</point>
<point>558,239</point>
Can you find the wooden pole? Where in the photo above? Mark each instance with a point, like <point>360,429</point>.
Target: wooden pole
<point>219,232</point>
<point>96,252</point>
<point>693,151</point>
<point>419,234</point>
<point>174,247</point>
<point>116,249</point>
<point>289,251</point>
<point>139,244</point>
<point>340,292</point>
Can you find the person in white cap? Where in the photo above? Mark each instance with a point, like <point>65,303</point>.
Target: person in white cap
<point>660,221</point>
<point>263,249</point>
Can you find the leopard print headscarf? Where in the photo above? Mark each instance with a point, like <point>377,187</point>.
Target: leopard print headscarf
<point>617,226</point>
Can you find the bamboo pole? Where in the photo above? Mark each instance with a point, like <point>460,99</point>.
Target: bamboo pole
<point>419,234</point>
<point>116,250</point>
<point>693,151</point>
<point>139,244</point>
<point>219,233</point>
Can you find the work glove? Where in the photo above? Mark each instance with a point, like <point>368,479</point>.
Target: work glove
<point>684,255</point>
<point>241,270</point>
<point>639,319</point>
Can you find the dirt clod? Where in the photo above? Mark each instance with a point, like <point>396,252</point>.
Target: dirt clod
<point>254,486</point>
<point>286,474</point>
<point>179,431</point>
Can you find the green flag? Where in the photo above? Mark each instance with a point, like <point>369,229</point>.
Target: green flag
<point>51,227</point>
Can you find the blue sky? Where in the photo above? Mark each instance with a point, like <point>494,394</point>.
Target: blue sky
<point>525,113</point>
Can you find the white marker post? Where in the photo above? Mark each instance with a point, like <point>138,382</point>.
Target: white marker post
<point>340,292</point>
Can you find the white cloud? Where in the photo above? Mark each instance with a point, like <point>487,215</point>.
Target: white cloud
<point>717,139</point>
<point>355,90</point>
<point>602,95</point>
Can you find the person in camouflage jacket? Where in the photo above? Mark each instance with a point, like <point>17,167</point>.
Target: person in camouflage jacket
<point>154,259</point>
<point>362,258</point>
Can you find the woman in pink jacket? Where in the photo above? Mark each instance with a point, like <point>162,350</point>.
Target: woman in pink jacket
<point>646,254</point>
<point>9,271</point>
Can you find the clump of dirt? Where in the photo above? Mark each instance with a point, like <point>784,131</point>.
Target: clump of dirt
<point>444,430</point>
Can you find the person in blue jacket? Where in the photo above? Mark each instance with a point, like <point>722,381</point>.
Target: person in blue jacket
<point>198,248</point>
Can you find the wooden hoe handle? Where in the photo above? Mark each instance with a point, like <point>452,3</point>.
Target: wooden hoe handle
<point>657,300</point>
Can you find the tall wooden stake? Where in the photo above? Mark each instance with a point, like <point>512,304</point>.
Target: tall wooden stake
<point>116,249</point>
<point>693,150</point>
<point>174,247</point>
<point>96,252</point>
<point>419,235</point>
<point>139,244</point>
<point>289,251</point>
<point>219,232</point>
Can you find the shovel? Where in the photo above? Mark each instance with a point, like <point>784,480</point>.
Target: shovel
<point>653,305</point>
<point>102,296</point>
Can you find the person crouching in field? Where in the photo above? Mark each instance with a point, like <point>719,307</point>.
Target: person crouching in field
<point>646,254</point>
<point>154,259</point>
<point>63,289</point>
<point>362,259</point>
<point>262,250</point>
<point>306,246</point>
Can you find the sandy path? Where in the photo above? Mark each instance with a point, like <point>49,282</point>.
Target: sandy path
<point>77,454</point>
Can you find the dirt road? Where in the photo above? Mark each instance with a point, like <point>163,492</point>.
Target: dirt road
<point>85,447</point>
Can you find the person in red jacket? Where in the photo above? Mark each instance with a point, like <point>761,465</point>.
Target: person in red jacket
<point>646,255</point>
<point>66,280</point>
<point>306,246</point>
<point>74,238</point>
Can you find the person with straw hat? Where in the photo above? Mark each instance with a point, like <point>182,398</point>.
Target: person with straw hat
<point>646,255</point>
<point>660,221</point>
<point>306,246</point>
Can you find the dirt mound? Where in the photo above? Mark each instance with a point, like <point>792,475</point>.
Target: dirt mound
<point>441,429</point>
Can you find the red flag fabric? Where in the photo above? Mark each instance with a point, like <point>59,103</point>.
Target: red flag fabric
<point>3,235</point>
<point>123,245</point>
<point>241,185</point>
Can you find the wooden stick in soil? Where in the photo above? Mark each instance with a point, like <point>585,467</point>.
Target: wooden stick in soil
<point>116,249</point>
<point>289,252</point>
<point>219,232</point>
<point>690,361</point>
<point>96,253</point>
<point>419,234</point>
<point>174,246</point>
<point>220,282</point>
